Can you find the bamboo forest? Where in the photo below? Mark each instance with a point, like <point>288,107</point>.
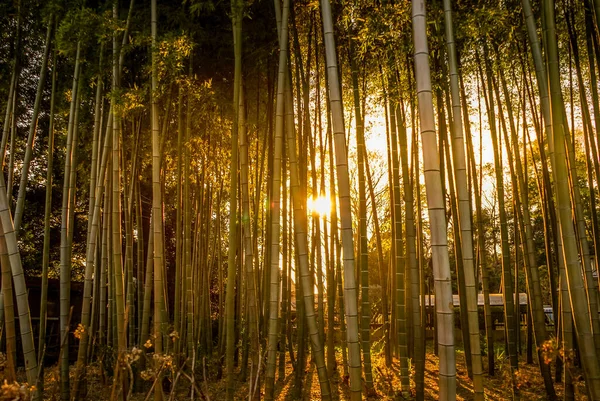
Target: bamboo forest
<point>299,200</point>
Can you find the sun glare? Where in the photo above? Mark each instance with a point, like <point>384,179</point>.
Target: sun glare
<point>320,205</point>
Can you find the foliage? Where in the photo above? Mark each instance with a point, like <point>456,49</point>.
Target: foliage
<point>82,26</point>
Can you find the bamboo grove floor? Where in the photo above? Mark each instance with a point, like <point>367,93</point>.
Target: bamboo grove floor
<point>386,382</point>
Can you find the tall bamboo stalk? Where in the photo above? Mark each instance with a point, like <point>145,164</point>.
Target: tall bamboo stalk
<point>507,280</point>
<point>252,311</point>
<point>9,313</point>
<point>47,214</point>
<point>157,222</point>
<point>341,160</point>
<point>363,251</point>
<point>524,226</point>
<point>436,207</point>
<point>464,206</point>
<point>577,293</point>
<point>237,12</point>
<point>65,246</point>
<point>116,206</point>
<point>275,200</point>
<point>33,127</point>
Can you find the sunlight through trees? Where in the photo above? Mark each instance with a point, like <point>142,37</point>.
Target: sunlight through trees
<point>300,200</point>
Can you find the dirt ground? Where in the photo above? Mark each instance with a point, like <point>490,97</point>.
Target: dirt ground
<point>386,383</point>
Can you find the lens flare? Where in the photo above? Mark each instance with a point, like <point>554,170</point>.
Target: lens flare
<point>320,205</point>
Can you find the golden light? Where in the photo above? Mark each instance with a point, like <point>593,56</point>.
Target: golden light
<point>320,205</point>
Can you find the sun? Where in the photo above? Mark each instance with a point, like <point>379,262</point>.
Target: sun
<point>320,205</point>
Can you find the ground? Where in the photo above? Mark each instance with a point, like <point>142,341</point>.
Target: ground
<point>386,383</point>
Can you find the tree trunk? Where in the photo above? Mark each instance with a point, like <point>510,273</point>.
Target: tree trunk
<point>341,160</point>
<point>157,222</point>
<point>47,215</point>
<point>65,246</point>
<point>464,206</point>
<point>32,128</point>
<point>577,292</point>
<point>436,206</point>
<point>363,252</point>
<point>273,285</point>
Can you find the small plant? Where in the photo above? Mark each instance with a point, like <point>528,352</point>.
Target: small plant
<point>550,350</point>
<point>15,391</point>
<point>79,331</point>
